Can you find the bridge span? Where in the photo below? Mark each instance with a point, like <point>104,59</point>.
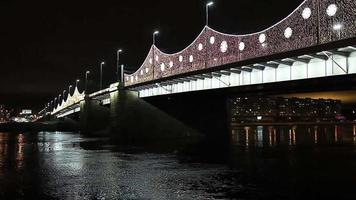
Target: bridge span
<point>317,40</point>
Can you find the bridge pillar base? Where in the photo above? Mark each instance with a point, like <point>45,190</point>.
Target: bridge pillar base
<point>135,121</point>
<point>93,116</point>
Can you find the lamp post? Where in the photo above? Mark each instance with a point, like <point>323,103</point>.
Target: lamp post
<point>55,101</point>
<point>64,91</point>
<point>154,37</point>
<point>207,12</point>
<point>122,76</point>
<point>101,75</point>
<point>76,83</point>
<point>153,53</point>
<point>86,81</point>
<point>118,64</point>
<point>70,86</point>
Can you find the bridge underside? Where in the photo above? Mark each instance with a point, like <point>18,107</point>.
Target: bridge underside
<point>295,66</point>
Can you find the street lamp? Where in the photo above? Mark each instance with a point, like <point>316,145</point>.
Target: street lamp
<point>76,83</point>
<point>154,37</point>
<point>55,102</point>
<point>207,12</point>
<point>86,80</point>
<point>64,91</point>
<point>118,64</point>
<point>101,75</point>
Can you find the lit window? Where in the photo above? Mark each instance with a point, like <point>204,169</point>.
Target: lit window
<point>306,13</point>
<point>127,78</point>
<point>150,60</point>
<point>262,38</point>
<point>180,58</point>
<point>157,58</point>
<point>241,46</point>
<point>171,64</point>
<point>212,40</point>
<point>141,72</point>
<point>200,47</point>
<point>223,46</point>
<point>288,32</point>
<point>146,70</point>
<point>136,78</point>
<point>191,58</point>
<point>162,67</point>
<point>331,10</point>
<point>132,79</point>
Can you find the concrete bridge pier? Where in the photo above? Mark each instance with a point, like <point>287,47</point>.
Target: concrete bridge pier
<point>93,117</point>
<point>134,121</point>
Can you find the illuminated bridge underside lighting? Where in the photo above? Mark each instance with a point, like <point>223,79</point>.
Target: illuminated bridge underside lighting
<point>296,31</point>
<point>322,64</point>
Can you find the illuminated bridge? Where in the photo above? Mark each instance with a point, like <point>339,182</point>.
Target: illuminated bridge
<point>316,40</point>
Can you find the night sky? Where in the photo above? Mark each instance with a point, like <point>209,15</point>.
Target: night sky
<point>46,45</point>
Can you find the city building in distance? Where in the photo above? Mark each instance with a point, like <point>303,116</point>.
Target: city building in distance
<point>279,109</point>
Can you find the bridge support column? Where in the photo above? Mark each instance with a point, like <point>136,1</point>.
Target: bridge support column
<point>94,117</point>
<point>135,121</point>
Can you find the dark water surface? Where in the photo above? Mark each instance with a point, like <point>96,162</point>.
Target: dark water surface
<point>314,162</point>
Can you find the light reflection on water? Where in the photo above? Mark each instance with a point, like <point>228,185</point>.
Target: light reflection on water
<point>271,136</point>
<point>70,166</point>
<point>264,162</point>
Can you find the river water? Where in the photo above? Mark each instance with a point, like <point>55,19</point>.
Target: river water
<point>310,162</point>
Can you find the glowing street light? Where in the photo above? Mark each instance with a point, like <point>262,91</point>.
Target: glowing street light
<point>76,83</point>
<point>207,12</point>
<point>154,37</point>
<point>101,75</point>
